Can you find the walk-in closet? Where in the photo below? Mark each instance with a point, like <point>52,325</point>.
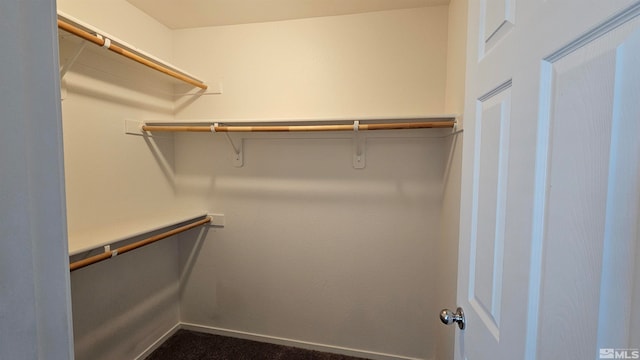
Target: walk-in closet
<point>293,181</point>
<point>319,179</point>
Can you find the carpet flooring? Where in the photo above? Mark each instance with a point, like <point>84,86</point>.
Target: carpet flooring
<point>191,345</point>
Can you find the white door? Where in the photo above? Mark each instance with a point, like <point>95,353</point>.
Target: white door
<point>551,180</point>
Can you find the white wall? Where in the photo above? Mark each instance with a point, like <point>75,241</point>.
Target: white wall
<point>456,56</point>
<point>314,250</point>
<point>383,63</point>
<point>112,179</point>
<point>35,320</point>
<point>118,184</point>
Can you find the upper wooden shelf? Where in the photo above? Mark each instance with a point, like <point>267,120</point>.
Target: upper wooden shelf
<point>101,38</point>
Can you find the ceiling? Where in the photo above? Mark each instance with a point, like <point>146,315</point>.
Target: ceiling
<point>180,14</point>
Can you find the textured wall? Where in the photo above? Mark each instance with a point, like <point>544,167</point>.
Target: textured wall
<point>314,250</point>
<point>382,63</point>
<point>117,184</point>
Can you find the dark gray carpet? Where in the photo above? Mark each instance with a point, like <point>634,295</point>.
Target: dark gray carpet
<point>191,345</point>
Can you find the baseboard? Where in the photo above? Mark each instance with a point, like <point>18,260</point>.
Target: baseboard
<point>295,343</point>
<point>156,344</point>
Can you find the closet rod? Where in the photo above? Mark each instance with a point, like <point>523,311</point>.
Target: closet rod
<point>121,250</point>
<point>100,41</point>
<point>280,128</point>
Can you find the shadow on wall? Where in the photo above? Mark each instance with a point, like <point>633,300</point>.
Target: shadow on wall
<point>106,76</point>
<point>130,299</point>
<point>313,169</point>
<point>161,147</point>
<point>313,249</point>
<point>190,246</point>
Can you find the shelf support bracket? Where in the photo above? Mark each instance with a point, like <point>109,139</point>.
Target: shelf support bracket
<point>72,60</point>
<point>238,153</point>
<point>359,147</point>
<point>457,128</point>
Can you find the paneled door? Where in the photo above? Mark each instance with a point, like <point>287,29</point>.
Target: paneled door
<point>549,263</point>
